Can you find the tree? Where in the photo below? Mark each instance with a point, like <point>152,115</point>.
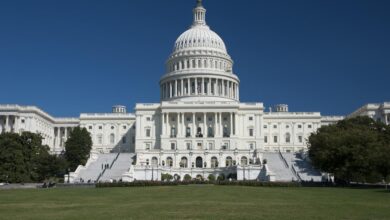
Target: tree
<point>78,147</point>
<point>23,158</point>
<point>187,177</point>
<point>355,149</point>
<point>211,178</point>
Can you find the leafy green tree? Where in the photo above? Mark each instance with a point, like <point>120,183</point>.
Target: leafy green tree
<point>78,147</point>
<point>352,150</point>
<point>23,158</point>
<point>187,177</point>
<point>211,178</point>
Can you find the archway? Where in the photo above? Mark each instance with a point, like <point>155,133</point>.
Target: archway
<point>199,162</point>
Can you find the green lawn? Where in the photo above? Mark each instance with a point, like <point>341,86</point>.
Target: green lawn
<point>195,202</point>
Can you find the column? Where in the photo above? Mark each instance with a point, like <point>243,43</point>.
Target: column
<point>238,91</point>
<point>386,119</point>
<point>220,125</point>
<point>178,133</point>
<point>162,124</point>
<point>231,124</point>
<point>176,88</point>
<point>196,86</point>
<point>189,86</point>
<point>215,124</point>
<point>193,125</point>
<point>182,87</point>
<point>6,124</point>
<point>66,134</point>
<point>183,127</point>
<point>205,124</point>
<point>168,125</point>
<point>138,126</point>
<point>16,124</point>
<point>203,87</point>
<point>235,124</point>
<point>170,90</point>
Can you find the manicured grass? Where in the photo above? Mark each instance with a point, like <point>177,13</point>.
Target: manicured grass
<point>195,202</point>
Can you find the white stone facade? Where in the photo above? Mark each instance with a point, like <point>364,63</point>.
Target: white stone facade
<point>200,127</point>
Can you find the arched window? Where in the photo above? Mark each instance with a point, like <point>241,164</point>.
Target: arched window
<point>184,162</point>
<point>229,161</point>
<point>214,162</point>
<point>112,138</point>
<point>154,161</point>
<point>244,161</point>
<point>199,162</point>
<point>169,162</point>
<point>288,137</point>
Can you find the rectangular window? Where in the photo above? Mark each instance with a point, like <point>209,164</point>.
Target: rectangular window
<point>173,146</point>
<point>211,146</point>
<point>299,126</point>
<point>275,139</point>
<point>309,126</point>
<point>265,126</point>
<point>148,132</point>
<point>188,146</point>
<point>250,118</point>
<point>251,132</point>
<point>147,146</point>
<point>300,139</point>
<point>265,139</point>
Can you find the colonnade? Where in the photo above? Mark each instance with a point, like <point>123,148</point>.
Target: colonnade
<point>9,123</point>
<point>197,125</point>
<point>199,86</point>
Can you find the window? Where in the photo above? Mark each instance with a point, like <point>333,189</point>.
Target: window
<point>188,146</point>
<point>299,126</point>
<point>265,126</point>
<point>147,146</point>
<point>154,161</point>
<point>147,118</point>
<point>309,126</point>
<point>210,132</point>
<point>229,161</point>
<point>250,118</point>
<point>173,132</point>
<point>170,162</point>
<point>199,119</point>
<point>214,162</point>
<point>200,146</point>
<point>188,119</point>
<point>251,146</point>
<point>124,127</point>
<point>184,162</point>
<point>251,132</point>
<point>225,132</point>
<point>148,132</point>
<point>173,146</point>
<point>112,138</point>
<point>287,126</point>
<point>300,139</point>
<point>244,161</point>
<point>275,126</point>
<point>211,146</point>
<point>100,139</point>
<point>188,132</point>
<point>275,139</point>
<point>90,127</point>
<point>112,127</point>
<point>124,140</point>
<point>265,139</point>
<point>210,119</point>
<point>23,121</point>
<point>100,127</point>
<point>288,137</point>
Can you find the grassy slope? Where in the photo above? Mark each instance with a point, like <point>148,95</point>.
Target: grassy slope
<point>195,202</point>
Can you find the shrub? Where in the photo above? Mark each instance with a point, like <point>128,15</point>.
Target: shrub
<point>221,177</point>
<point>211,178</point>
<point>187,177</point>
<point>166,177</point>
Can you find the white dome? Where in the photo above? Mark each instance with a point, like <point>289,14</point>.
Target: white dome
<point>200,37</point>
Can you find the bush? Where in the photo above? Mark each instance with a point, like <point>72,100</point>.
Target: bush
<point>211,178</point>
<point>166,177</point>
<point>187,177</point>
<point>136,184</point>
<point>221,177</point>
<point>258,184</point>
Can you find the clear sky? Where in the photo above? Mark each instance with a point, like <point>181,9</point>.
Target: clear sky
<point>74,56</point>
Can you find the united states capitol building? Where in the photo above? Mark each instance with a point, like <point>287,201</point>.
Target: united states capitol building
<point>199,128</point>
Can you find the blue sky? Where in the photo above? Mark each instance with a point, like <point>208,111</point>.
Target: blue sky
<point>78,56</point>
